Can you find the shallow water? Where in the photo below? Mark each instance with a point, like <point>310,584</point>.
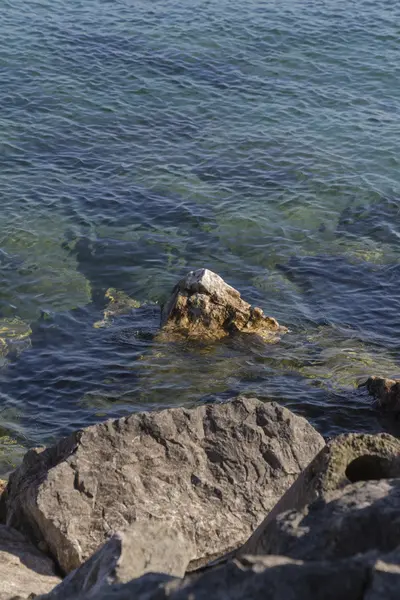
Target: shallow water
<point>140,140</point>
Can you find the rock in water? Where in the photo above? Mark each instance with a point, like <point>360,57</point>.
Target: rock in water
<point>386,391</point>
<point>119,304</point>
<point>211,473</point>
<point>23,569</point>
<point>203,306</point>
<point>14,336</point>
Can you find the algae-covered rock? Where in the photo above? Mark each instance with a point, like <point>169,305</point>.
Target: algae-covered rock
<point>14,336</point>
<point>119,304</point>
<point>203,306</point>
<point>337,356</point>
<point>11,454</point>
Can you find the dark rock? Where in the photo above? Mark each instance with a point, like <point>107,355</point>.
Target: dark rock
<point>203,306</point>
<point>386,391</point>
<point>24,570</point>
<point>211,473</point>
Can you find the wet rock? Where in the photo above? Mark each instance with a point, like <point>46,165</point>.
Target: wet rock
<point>14,336</point>
<point>203,306</point>
<point>386,391</point>
<point>363,517</point>
<point>24,570</point>
<point>344,460</point>
<point>148,547</point>
<point>211,473</point>
<point>119,304</point>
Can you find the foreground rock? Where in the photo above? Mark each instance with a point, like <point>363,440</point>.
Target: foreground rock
<point>23,569</point>
<point>345,460</point>
<point>363,517</point>
<point>211,473</point>
<point>203,306</point>
<point>345,545</point>
<point>144,548</point>
<point>386,391</point>
<point>255,578</point>
<point>367,577</point>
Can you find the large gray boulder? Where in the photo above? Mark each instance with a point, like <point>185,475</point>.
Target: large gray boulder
<point>344,460</point>
<point>24,570</point>
<point>203,306</point>
<point>145,547</point>
<point>345,546</point>
<point>211,473</point>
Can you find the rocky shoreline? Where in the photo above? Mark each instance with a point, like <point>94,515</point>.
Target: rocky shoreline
<point>242,499</point>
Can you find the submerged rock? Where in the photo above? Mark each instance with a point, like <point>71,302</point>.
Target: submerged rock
<point>203,306</point>
<point>386,391</point>
<point>211,473</point>
<point>24,570</point>
<point>14,336</point>
<point>119,304</point>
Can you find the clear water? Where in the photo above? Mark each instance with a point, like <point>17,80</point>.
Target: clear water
<point>139,140</point>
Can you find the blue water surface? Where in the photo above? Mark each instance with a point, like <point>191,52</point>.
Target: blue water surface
<point>139,140</point>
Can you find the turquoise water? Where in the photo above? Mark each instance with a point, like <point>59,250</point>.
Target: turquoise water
<point>139,140</point>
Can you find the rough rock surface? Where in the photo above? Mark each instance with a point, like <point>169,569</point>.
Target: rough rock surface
<point>345,545</point>
<point>212,473</point>
<point>363,517</point>
<point>143,548</point>
<point>24,570</point>
<point>203,306</point>
<point>386,391</point>
<point>367,577</point>
<point>344,460</point>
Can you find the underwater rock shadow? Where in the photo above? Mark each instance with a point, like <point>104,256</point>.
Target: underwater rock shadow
<point>362,295</point>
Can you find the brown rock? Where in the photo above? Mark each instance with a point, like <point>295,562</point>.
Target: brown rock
<point>344,460</point>
<point>203,306</point>
<point>211,473</point>
<point>386,391</point>
<point>24,570</point>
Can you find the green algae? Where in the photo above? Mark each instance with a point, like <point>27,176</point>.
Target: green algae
<point>14,337</point>
<point>11,454</point>
<point>342,361</point>
<point>119,304</point>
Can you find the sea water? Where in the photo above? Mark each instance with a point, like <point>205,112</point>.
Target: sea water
<point>140,140</point>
